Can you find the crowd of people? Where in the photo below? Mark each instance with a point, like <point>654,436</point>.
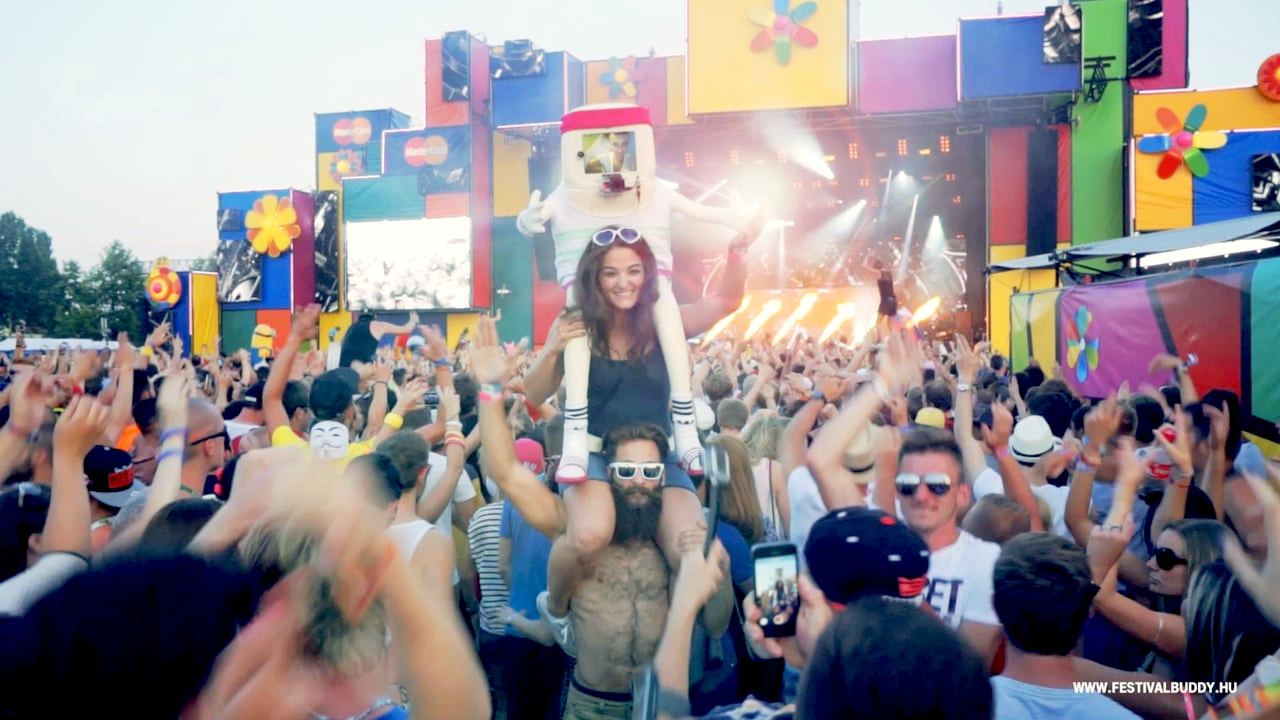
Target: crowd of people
<point>379,533</point>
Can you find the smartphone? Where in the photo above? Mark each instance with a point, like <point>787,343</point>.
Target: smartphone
<point>776,567</point>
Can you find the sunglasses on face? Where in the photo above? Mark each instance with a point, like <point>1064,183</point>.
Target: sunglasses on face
<point>226,439</point>
<point>938,483</point>
<point>606,236</point>
<point>651,471</point>
<point>1167,560</point>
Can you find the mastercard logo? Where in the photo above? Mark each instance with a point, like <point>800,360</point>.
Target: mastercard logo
<point>432,150</point>
<point>352,131</point>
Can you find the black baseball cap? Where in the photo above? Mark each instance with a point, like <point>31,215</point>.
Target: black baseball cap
<point>109,476</point>
<point>857,552</point>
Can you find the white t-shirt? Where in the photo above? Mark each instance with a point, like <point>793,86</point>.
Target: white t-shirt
<point>807,506</point>
<point>20,592</point>
<point>463,492</point>
<point>990,483</point>
<point>960,585</point>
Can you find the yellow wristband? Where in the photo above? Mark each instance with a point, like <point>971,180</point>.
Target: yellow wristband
<point>395,421</point>
<point>146,351</point>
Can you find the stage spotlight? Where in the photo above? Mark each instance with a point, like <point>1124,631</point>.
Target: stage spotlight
<point>796,142</point>
<point>902,147</point>
<point>944,143</point>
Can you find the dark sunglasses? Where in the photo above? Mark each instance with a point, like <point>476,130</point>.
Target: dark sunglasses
<point>606,236</point>
<point>938,483</point>
<point>651,471</point>
<point>1167,560</point>
<point>226,439</point>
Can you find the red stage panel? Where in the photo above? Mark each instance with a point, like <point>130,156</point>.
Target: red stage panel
<point>448,205</point>
<point>651,91</point>
<point>481,216</point>
<point>439,112</point>
<point>1008,186</point>
<point>1202,314</point>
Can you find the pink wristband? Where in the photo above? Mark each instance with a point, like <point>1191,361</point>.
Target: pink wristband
<point>488,396</point>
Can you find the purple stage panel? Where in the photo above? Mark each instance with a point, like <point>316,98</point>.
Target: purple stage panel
<point>907,75</point>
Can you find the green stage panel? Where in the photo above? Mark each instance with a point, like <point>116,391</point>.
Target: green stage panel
<point>513,271</point>
<point>237,329</point>
<point>1098,138</point>
<point>393,197</point>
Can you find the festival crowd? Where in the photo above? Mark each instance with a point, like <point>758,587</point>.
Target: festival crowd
<point>381,533</point>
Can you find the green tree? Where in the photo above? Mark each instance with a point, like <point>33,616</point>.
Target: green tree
<point>206,264</point>
<point>79,313</point>
<point>30,284</point>
<point>113,289</point>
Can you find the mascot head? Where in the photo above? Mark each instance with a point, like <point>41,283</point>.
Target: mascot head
<point>607,151</point>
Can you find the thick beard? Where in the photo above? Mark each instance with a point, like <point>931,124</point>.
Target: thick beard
<point>636,522</point>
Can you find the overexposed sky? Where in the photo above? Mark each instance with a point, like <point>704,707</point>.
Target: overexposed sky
<point>125,119</point>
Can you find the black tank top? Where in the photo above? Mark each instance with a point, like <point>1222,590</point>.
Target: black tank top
<point>358,344</point>
<point>885,285</point>
<point>625,391</point>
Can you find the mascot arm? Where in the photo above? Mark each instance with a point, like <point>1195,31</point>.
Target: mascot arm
<point>701,315</point>
<point>533,219</point>
<point>733,216</point>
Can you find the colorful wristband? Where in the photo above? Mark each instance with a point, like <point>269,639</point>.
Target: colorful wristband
<point>486,396</point>
<point>393,420</point>
<point>441,363</point>
<point>146,351</point>
<point>178,432</point>
<point>170,453</point>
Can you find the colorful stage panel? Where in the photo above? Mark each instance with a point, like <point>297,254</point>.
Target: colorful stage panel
<point>907,75</point>
<point>633,80</point>
<point>510,175</point>
<point>1226,192</point>
<point>237,329</point>
<point>1160,204</point>
<point>332,327</point>
<point>513,280</point>
<point>677,92</point>
<point>1201,314</point>
<point>1233,109</point>
<point>540,99</point>
<point>1264,307</point>
<point>747,55</point>
<point>1004,57</point>
<point>1035,328</point>
<point>1108,335</point>
<point>392,197</point>
<point>355,130</point>
<point>1007,180</point>
<point>458,323</point>
<point>281,283</point>
<point>439,157</point>
<point>457,74</point>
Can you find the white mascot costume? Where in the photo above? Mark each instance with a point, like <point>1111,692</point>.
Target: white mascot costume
<point>609,178</point>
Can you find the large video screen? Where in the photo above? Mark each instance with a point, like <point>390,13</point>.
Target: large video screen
<point>239,272</point>
<point>409,264</point>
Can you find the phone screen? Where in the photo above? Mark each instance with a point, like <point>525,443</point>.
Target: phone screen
<point>777,569</point>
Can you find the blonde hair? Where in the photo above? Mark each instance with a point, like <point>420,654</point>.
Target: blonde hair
<point>739,505</point>
<point>328,639</point>
<point>764,438</point>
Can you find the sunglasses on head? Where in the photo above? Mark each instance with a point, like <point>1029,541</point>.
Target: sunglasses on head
<point>226,439</point>
<point>606,236</point>
<point>1166,559</point>
<point>651,471</point>
<point>939,483</point>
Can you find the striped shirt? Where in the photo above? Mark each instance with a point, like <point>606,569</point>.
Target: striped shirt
<point>483,539</point>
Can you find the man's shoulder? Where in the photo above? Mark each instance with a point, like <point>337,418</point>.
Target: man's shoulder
<point>972,546</point>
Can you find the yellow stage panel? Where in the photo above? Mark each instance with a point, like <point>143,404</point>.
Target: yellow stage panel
<point>206,316</point>
<point>1235,109</point>
<point>329,321</point>
<point>458,322</point>
<point>677,109</point>
<point>510,175</point>
<point>1160,204</point>
<point>737,64</point>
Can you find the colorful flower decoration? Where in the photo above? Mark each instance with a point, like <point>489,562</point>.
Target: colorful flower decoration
<point>273,225</point>
<point>164,287</point>
<point>1082,352</point>
<point>782,28</point>
<point>346,163</point>
<point>1182,142</point>
<point>1269,78</point>
<point>622,77</point>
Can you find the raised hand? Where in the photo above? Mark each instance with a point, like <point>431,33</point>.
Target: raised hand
<point>306,323</point>
<point>172,401</point>
<point>435,348</point>
<point>80,427</point>
<point>1001,429</point>
<point>487,361</point>
<point>29,397</point>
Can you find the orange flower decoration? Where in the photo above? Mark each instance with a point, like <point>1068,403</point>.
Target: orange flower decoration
<point>273,225</point>
<point>1269,78</point>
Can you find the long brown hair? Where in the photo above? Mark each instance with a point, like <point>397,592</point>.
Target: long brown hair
<point>739,505</point>
<point>597,314</point>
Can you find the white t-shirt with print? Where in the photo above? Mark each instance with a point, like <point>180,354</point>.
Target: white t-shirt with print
<point>990,483</point>
<point>807,507</point>
<point>960,584</point>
